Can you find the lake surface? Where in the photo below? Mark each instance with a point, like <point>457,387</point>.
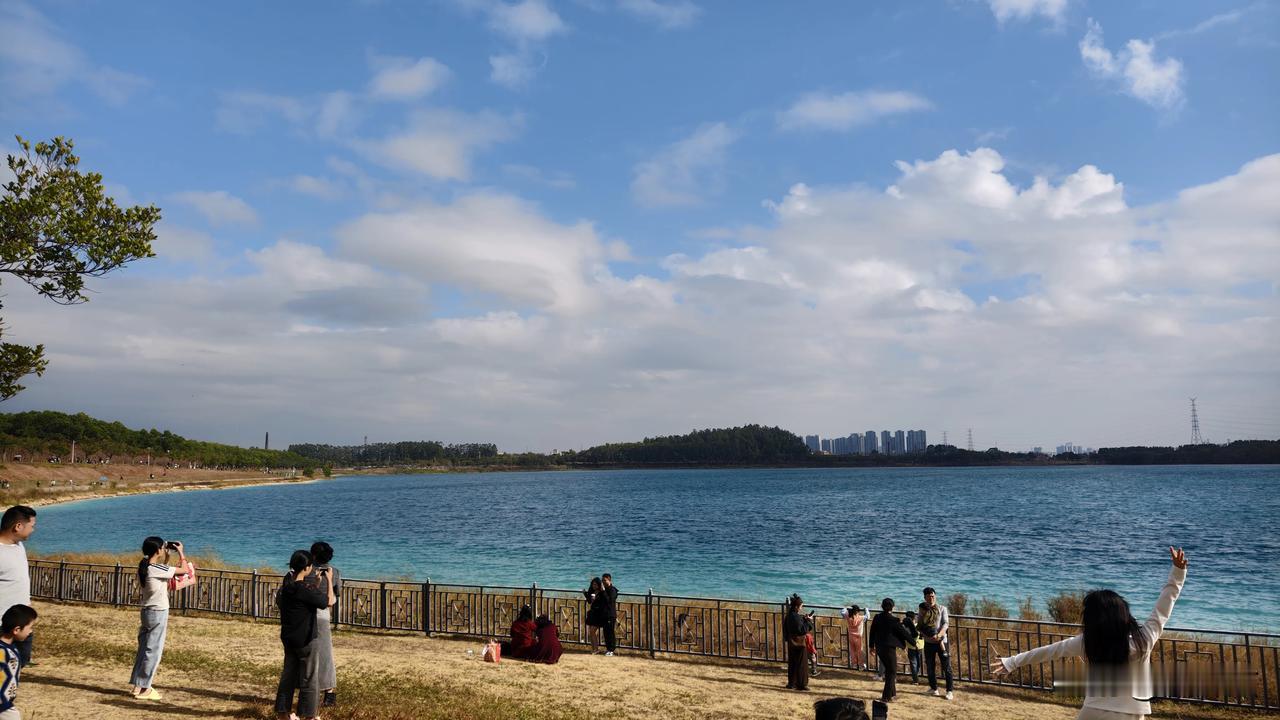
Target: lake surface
<point>836,536</point>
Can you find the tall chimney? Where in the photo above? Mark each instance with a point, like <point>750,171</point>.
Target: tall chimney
<point>266,443</point>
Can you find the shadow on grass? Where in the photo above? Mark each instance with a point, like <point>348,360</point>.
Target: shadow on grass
<point>121,698</point>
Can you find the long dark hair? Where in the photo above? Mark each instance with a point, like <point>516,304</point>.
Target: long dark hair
<point>1108,627</point>
<point>298,561</point>
<point>526,614</point>
<point>597,585</point>
<point>150,546</point>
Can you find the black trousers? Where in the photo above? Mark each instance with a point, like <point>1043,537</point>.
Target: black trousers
<point>610,634</point>
<point>888,656</point>
<point>937,650</point>
<point>797,673</point>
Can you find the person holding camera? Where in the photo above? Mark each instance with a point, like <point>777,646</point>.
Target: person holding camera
<point>795,627</point>
<point>155,578</point>
<point>304,592</point>
<point>327,672</point>
<point>932,621</point>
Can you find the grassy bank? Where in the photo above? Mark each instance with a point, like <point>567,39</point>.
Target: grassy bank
<point>41,485</point>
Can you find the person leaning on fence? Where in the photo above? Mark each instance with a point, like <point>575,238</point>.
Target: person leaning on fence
<point>326,672</point>
<point>887,635</point>
<point>155,578</point>
<point>16,527</point>
<point>15,626</point>
<point>854,617</point>
<point>303,593</point>
<point>794,628</point>
<point>932,622</point>
<point>1116,649</point>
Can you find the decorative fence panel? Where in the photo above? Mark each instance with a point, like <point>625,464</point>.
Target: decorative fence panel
<point>1202,666</point>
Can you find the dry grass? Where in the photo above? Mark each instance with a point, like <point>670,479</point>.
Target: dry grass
<point>38,485</point>
<point>224,668</point>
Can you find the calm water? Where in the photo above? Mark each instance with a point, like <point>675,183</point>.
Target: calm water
<point>835,536</point>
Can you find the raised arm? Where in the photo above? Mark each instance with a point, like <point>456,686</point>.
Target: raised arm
<point>1071,647</point>
<point>1168,596</point>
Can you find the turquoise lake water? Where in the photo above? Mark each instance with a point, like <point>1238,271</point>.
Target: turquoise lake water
<point>835,536</point>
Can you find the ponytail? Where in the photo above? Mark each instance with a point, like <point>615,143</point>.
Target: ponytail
<point>150,547</point>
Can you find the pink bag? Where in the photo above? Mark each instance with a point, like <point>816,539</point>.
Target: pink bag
<point>183,579</point>
<point>492,652</point>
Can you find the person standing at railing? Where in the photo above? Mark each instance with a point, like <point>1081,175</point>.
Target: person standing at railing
<point>303,593</point>
<point>932,622</point>
<point>887,635</point>
<point>326,671</point>
<point>854,618</point>
<point>154,576</point>
<point>1116,649</point>
<point>16,527</point>
<point>610,614</point>
<point>915,647</point>
<point>794,628</point>
<point>595,612</point>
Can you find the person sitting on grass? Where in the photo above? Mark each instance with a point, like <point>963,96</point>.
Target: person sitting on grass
<point>1116,649</point>
<point>524,635</point>
<point>547,650</point>
<point>15,627</point>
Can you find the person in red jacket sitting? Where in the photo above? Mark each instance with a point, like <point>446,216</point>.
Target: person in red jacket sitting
<point>524,635</point>
<point>547,649</point>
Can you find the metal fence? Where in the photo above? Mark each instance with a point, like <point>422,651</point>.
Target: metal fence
<point>1224,668</point>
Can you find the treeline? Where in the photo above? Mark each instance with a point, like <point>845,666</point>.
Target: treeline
<point>397,453</point>
<point>50,433</point>
<point>1242,452</point>
<point>746,445</point>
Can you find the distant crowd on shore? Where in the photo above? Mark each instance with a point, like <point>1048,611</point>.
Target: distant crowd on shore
<point>1115,647</point>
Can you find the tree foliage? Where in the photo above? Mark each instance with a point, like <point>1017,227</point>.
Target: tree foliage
<point>58,226</point>
<point>746,445</point>
<point>397,453</point>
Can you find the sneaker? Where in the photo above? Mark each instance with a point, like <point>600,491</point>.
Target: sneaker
<point>949,696</point>
<point>609,654</point>
<point>934,691</point>
<point>330,699</point>
<point>149,694</point>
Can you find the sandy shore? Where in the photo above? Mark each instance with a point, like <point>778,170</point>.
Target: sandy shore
<point>41,486</point>
<point>224,668</point>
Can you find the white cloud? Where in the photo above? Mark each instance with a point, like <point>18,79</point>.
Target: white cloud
<point>36,62</point>
<point>174,242</point>
<point>685,172</point>
<point>314,186</point>
<point>517,69</point>
<point>440,143</point>
<point>1155,82</point>
<point>245,112</point>
<point>676,14</point>
<point>218,207</point>
<point>1006,10</point>
<point>403,78</point>
<point>524,21</point>
<point>848,110</point>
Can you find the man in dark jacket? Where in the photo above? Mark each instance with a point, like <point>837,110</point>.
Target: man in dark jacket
<point>610,615</point>
<point>887,635</point>
<point>303,593</point>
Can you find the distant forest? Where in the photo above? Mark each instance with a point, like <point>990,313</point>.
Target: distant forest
<point>48,434</point>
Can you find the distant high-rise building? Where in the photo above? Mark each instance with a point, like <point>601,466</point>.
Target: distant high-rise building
<point>839,446</point>
<point>900,442</point>
<point>855,444</point>
<point>1070,448</point>
<point>916,441</point>
<point>869,442</point>
<point>886,442</point>
<point>1039,450</point>
<point>812,442</point>
<point>826,445</point>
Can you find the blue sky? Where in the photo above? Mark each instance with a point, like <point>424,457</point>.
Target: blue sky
<point>551,224</point>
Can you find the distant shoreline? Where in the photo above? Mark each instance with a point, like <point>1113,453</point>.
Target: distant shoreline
<point>185,486</point>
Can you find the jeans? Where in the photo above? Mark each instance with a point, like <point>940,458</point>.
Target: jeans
<point>913,662</point>
<point>299,673</point>
<point>888,656</point>
<point>937,650</point>
<point>152,629</point>
<point>610,634</point>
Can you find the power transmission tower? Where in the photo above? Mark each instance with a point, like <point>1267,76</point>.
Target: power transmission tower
<point>970,439</point>
<point>1195,425</point>
<point>944,438</point>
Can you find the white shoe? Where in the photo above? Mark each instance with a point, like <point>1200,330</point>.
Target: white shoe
<point>940,692</point>
<point>609,654</point>
<point>950,696</point>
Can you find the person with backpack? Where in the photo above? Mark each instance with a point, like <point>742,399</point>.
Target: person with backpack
<point>1116,649</point>
<point>887,635</point>
<point>303,593</point>
<point>932,621</point>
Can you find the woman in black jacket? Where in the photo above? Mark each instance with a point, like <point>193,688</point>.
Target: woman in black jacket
<point>794,629</point>
<point>303,593</point>
<point>887,635</point>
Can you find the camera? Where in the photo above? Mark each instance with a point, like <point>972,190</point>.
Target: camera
<point>171,545</point>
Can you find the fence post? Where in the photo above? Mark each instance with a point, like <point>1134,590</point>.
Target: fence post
<point>382,605</point>
<point>426,607</point>
<point>62,571</point>
<point>533,598</point>
<point>648,621</point>
<point>253,594</point>
<point>115,586</point>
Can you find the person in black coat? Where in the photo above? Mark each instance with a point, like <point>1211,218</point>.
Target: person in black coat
<point>303,593</point>
<point>887,635</point>
<point>795,626</point>
<point>609,614</point>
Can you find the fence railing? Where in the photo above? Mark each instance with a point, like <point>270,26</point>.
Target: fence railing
<point>1203,666</point>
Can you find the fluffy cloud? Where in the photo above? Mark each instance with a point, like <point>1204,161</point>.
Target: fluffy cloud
<point>670,15</point>
<point>517,69</point>
<point>35,61</point>
<point>218,207</point>
<point>402,78</point>
<point>1006,10</point>
<point>439,143</point>
<point>524,21</point>
<point>1155,82</point>
<point>686,171</point>
<point>848,110</point>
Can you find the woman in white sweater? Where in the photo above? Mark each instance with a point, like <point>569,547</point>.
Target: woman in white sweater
<point>1116,649</point>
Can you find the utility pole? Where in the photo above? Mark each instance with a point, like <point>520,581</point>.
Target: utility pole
<point>970,439</point>
<point>944,438</point>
